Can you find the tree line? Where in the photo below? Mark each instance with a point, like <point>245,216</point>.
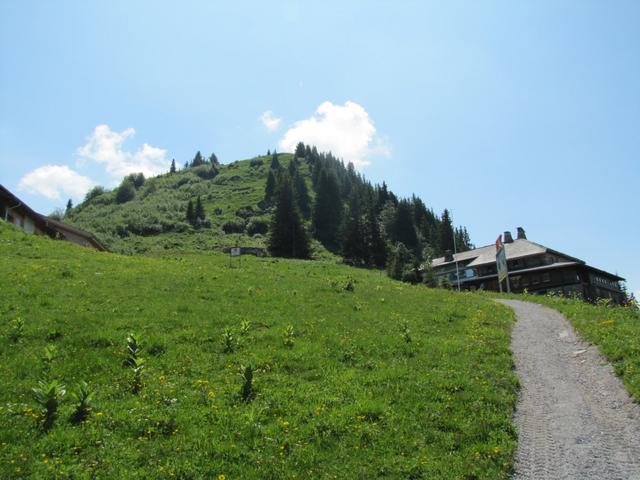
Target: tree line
<point>367,224</point>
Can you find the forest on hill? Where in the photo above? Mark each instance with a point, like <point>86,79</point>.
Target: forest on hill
<point>308,204</point>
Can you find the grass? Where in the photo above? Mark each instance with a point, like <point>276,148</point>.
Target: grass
<point>615,330</point>
<point>320,380</point>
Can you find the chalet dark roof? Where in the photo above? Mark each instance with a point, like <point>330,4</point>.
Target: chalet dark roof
<point>76,231</point>
<point>519,248</point>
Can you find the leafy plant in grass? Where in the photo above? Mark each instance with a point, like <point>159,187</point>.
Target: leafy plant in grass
<point>287,336</point>
<point>135,361</point>
<point>48,396</point>
<point>405,332</point>
<point>245,326</point>
<point>50,353</point>
<point>246,392</point>
<point>83,397</point>
<point>16,329</point>
<point>228,340</point>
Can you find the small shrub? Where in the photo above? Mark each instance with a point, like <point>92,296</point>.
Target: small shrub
<point>48,396</point>
<point>245,326</point>
<point>246,391</point>
<point>228,340</point>
<point>257,226</point>
<point>206,172</point>
<point>245,212</point>
<point>83,398</point>
<point>256,162</point>
<point>405,332</point>
<point>16,329</point>
<point>287,336</point>
<point>231,226</point>
<point>133,349</point>
<point>126,191</point>
<point>50,353</point>
<point>54,334</point>
<point>137,368</point>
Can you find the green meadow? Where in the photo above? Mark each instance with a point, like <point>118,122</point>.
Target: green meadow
<point>267,369</point>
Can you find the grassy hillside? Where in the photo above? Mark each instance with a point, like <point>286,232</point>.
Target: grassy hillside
<point>155,220</point>
<point>356,376</point>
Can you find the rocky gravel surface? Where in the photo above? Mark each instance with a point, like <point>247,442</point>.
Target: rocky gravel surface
<point>574,417</point>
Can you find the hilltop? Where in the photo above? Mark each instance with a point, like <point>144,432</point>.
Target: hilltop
<point>154,221</point>
<point>352,374</point>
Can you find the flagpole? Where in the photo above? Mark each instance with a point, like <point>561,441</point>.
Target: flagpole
<point>454,256</point>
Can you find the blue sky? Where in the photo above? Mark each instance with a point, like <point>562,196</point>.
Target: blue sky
<point>508,113</point>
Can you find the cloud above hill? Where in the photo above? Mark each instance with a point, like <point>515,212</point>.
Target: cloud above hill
<point>55,182</point>
<point>346,130</point>
<point>105,146</point>
<point>270,121</point>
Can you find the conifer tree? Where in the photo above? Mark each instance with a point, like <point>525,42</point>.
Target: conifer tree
<point>270,188</point>
<point>302,195</point>
<point>445,233</point>
<point>405,231</point>
<point>69,207</point>
<point>191,214</point>
<point>199,210</point>
<point>354,244</point>
<point>173,166</point>
<point>197,160</point>
<point>287,235</point>
<point>300,150</point>
<point>213,159</point>
<point>374,238</point>
<point>275,163</point>
<point>327,210</point>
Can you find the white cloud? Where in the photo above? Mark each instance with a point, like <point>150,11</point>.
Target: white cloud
<point>270,121</point>
<point>346,130</point>
<point>104,146</point>
<point>52,181</point>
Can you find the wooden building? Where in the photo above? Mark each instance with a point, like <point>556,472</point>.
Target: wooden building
<point>15,211</point>
<point>532,266</point>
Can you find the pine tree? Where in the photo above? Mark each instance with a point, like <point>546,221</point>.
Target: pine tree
<point>275,163</point>
<point>405,231</point>
<point>213,159</point>
<point>69,207</point>
<point>199,210</point>
<point>327,210</point>
<point>173,166</point>
<point>300,150</point>
<point>354,244</point>
<point>374,238</point>
<point>191,214</point>
<point>302,195</point>
<point>270,188</point>
<point>197,160</point>
<point>445,233</point>
<point>287,235</point>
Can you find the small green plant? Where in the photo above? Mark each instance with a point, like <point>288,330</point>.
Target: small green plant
<point>228,340</point>
<point>245,326</point>
<point>83,398</point>
<point>48,396</point>
<point>287,336</point>
<point>54,334</point>
<point>50,353</point>
<point>133,349</point>
<point>405,332</point>
<point>137,368</point>
<point>16,329</point>
<point>246,391</point>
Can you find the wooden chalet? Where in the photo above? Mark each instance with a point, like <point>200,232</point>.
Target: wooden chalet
<point>15,211</point>
<point>533,267</point>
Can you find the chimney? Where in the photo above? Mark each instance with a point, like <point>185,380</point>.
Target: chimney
<point>507,237</point>
<point>448,256</point>
<point>521,234</point>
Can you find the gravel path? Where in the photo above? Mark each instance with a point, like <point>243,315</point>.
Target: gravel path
<point>575,419</point>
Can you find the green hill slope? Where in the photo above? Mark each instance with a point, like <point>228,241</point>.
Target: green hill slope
<point>356,375</point>
<point>154,221</point>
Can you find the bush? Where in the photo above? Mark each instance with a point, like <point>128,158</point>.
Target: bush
<point>232,226</point>
<point>206,172</point>
<point>256,162</point>
<point>257,226</point>
<point>93,193</point>
<point>126,191</point>
<point>245,212</point>
<point>137,179</point>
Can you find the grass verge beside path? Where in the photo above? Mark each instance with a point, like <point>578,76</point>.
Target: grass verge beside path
<point>354,375</point>
<point>615,330</point>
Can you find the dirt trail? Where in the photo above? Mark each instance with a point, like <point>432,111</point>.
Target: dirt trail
<point>574,417</point>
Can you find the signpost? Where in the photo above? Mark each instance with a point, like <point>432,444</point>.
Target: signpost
<point>501,263</point>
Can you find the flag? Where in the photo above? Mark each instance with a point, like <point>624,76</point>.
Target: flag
<point>499,243</point>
